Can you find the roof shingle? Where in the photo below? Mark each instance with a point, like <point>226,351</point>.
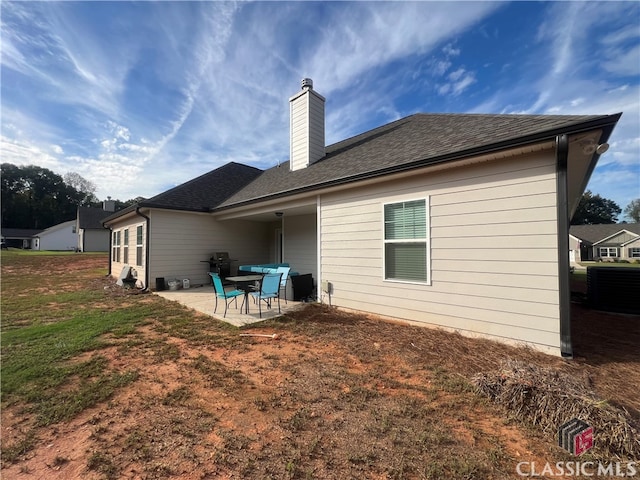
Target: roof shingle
<point>206,191</point>
<point>412,141</point>
<point>91,218</point>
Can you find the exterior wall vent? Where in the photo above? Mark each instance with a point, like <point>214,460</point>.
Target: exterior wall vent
<point>307,126</point>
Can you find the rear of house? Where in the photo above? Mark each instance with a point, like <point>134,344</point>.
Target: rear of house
<point>455,221</point>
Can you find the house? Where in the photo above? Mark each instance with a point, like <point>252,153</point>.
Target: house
<point>459,221</point>
<point>92,236</point>
<point>25,238</point>
<point>606,242</point>
<point>58,237</point>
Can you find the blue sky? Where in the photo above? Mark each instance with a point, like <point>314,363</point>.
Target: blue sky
<point>139,97</point>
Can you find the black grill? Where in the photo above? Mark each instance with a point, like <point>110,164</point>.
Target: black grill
<point>220,264</point>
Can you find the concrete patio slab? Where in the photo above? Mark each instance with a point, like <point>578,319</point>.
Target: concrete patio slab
<point>203,300</point>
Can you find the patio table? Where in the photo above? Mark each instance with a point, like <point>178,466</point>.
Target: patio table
<point>243,283</point>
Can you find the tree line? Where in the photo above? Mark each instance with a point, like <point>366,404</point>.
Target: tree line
<point>594,209</point>
<point>35,197</point>
<point>38,198</point>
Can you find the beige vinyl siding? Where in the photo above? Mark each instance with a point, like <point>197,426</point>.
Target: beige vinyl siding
<point>300,249</point>
<point>492,242</point>
<point>182,240</point>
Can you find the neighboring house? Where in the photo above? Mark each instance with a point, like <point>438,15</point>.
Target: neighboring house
<point>453,220</point>
<point>606,242</point>
<point>92,235</point>
<point>59,237</point>
<point>25,238</point>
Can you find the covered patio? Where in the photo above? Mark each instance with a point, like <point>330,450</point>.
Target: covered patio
<point>202,299</point>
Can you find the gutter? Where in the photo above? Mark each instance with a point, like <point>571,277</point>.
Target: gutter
<point>562,215</point>
<point>146,250</point>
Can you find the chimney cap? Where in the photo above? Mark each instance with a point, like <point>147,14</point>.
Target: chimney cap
<point>307,83</point>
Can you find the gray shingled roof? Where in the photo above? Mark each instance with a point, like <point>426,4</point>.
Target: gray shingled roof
<point>411,142</point>
<point>202,193</point>
<point>206,191</point>
<point>595,233</point>
<point>91,218</point>
<point>20,232</point>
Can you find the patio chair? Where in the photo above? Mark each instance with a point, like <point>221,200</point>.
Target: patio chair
<point>269,289</point>
<point>283,281</point>
<point>227,296</point>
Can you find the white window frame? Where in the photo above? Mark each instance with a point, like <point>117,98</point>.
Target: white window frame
<point>116,246</point>
<point>634,252</point>
<point>125,247</point>
<point>607,252</point>
<point>426,240</point>
<point>139,245</point>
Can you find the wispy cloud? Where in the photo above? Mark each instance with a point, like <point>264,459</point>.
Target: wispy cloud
<point>138,97</point>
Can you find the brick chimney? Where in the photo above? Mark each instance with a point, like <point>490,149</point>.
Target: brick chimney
<point>307,126</point>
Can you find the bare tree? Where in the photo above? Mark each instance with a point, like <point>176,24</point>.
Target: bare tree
<point>632,210</point>
<point>86,187</point>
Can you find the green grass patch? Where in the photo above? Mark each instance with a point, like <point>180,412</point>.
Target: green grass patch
<point>18,252</point>
<point>37,353</point>
<point>46,329</point>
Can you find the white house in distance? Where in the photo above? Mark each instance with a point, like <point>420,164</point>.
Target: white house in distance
<point>62,236</point>
<point>459,221</point>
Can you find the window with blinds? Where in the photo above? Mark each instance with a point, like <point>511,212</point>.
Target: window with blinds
<point>405,241</point>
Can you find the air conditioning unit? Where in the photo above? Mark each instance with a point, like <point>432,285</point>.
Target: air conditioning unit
<point>614,289</point>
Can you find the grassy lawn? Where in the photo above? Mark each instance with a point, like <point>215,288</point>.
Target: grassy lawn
<point>101,382</point>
